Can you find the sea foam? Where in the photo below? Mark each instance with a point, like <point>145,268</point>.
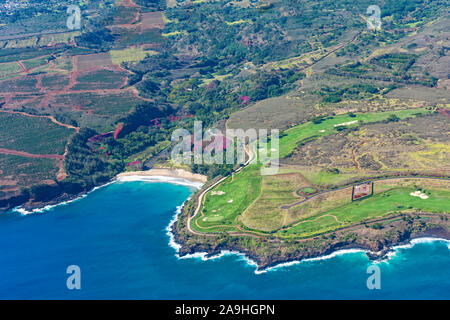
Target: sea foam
<point>396,249</point>
<point>204,255</point>
<point>23,211</point>
<point>199,255</point>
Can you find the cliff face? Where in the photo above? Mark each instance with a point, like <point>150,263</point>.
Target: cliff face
<point>270,251</point>
<point>43,194</point>
<point>12,200</point>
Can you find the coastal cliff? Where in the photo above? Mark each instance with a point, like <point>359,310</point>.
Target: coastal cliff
<point>269,251</point>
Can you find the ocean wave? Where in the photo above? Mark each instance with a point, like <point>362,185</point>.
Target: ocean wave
<point>336,254</point>
<point>172,242</point>
<point>397,249</point>
<point>325,257</point>
<point>199,255</point>
<point>204,255</point>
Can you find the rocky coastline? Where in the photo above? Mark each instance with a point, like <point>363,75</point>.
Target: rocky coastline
<point>377,244</point>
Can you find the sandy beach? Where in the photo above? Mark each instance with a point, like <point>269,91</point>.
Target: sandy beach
<point>166,172</point>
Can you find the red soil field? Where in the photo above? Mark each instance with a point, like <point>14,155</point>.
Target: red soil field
<point>93,61</point>
<point>445,112</point>
<point>152,20</point>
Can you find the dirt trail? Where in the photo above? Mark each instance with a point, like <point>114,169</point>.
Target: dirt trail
<point>29,155</point>
<point>61,175</point>
<point>136,94</point>
<point>73,74</point>
<point>22,66</point>
<point>355,161</point>
<point>51,118</point>
<point>72,82</point>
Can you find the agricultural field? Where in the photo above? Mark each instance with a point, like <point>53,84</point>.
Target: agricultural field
<point>18,85</point>
<point>33,63</point>
<point>9,68</point>
<point>93,61</point>
<point>129,37</point>
<point>153,20</point>
<point>108,104</point>
<point>54,81</point>
<point>132,54</point>
<point>125,15</point>
<point>34,135</point>
<point>19,172</point>
<point>100,79</point>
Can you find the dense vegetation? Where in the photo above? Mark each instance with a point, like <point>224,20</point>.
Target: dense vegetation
<point>211,59</point>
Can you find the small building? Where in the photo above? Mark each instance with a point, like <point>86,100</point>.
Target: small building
<point>362,190</point>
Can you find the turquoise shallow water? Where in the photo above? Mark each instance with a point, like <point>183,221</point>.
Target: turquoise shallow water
<point>117,236</point>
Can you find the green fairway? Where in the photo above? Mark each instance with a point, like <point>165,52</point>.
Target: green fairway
<point>308,190</point>
<point>307,228</point>
<point>232,198</point>
<point>328,126</point>
<point>382,204</point>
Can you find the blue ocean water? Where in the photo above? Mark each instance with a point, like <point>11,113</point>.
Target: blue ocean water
<point>117,236</point>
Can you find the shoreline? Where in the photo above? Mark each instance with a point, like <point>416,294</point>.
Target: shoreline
<point>207,248</point>
<point>252,260</point>
<point>261,267</point>
<point>165,172</point>
<point>163,175</point>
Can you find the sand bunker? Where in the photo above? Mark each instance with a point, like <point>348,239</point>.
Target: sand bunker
<point>419,194</point>
<point>346,123</point>
<point>217,193</point>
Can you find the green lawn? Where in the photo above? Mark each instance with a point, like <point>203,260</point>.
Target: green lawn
<point>382,204</point>
<point>222,209</point>
<point>322,224</point>
<point>309,130</point>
